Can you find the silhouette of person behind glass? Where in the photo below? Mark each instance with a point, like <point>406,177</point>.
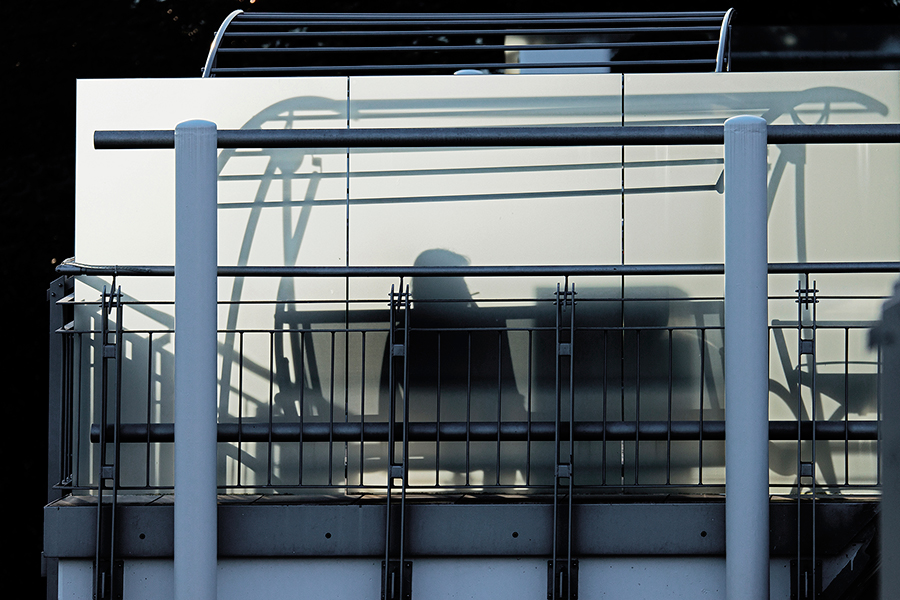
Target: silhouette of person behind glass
<point>460,365</point>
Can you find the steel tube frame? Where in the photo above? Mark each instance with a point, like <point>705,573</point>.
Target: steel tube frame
<point>491,431</point>
<point>724,45</point>
<point>75,268</point>
<point>746,362</point>
<point>195,541</point>
<point>500,136</point>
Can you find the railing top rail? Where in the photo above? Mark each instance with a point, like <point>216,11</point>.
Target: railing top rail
<point>71,267</point>
<point>603,135</point>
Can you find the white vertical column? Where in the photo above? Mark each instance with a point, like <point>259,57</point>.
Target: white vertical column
<point>887,336</point>
<point>195,361</point>
<point>746,362</point>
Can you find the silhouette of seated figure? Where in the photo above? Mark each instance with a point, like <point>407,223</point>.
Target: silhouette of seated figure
<point>460,367</point>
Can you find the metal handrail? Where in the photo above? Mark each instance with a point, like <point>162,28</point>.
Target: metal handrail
<point>602,135</point>
<point>72,267</point>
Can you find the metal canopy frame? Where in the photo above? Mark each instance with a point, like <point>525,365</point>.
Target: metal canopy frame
<point>252,44</point>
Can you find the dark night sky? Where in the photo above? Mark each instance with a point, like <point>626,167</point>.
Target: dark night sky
<point>47,46</point>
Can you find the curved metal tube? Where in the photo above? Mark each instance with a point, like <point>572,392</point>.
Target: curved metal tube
<point>724,38</point>
<point>214,47</point>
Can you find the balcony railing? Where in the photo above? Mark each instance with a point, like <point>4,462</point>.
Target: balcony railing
<point>482,395</point>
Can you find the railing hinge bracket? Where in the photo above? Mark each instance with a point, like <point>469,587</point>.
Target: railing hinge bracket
<point>562,582</point>
<point>392,577</point>
<point>108,582</point>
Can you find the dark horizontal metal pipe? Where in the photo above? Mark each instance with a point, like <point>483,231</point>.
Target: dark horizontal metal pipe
<point>415,16</point>
<point>254,30</point>
<point>835,267</point>
<point>488,431</point>
<point>470,20</point>
<point>75,268</point>
<point>357,68</point>
<point>465,48</point>
<point>423,137</point>
<point>499,136</point>
<point>535,30</point>
<point>833,55</point>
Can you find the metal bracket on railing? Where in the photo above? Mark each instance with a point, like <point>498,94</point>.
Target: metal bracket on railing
<point>396,582</point>
<point>562,569</point>
<point>806,569</point>
<point>562,580</point>
<point>108,570</point>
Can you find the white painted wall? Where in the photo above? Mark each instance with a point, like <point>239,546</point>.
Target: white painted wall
<point>433,578</point>
<point>559,206</point>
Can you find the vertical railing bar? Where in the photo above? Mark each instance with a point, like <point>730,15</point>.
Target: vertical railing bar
<point>406,404</point>
<point>331,413</point>
<point>571,392</point>
<point>878,373</point>
<point>104,334</point>
<point>846,406</point>
<point>120,343</point>
<point>346,337</point>
<point>807,296</point>
<point>499,396</point>
<point>556,441</point>
<point>528,416</point>
<point>386,588</point>
<point>468,399</point>
<point>99,582</point>
<point>302,400</point>
<point>814,394</point>
<point>240,439</point>
<point>362,410</point>
<point>437,410</point>
<point>605,390</point>
<point>569,529</point>
<point>74,393</point>
<point>78,413</point>
<point>70,393</point>
<point>622,322</point>
<point>406,400</point>
<point>799,569</point>
<point>637,404</point>
<point>269,443</point>
<point>147,444</point>
<point>65,409</point>
<point>60,450</point>
<point>571,460</point>
<point>558,407</point>
<point>702,386</point>
<point>669,417</point>
<point>73,408</point>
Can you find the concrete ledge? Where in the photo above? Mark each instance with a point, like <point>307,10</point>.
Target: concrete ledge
<point>262,527</point>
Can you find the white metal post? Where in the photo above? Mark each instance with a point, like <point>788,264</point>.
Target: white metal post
<point>195,361</point>
<point>888,337</point>
<point>746,362</point>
